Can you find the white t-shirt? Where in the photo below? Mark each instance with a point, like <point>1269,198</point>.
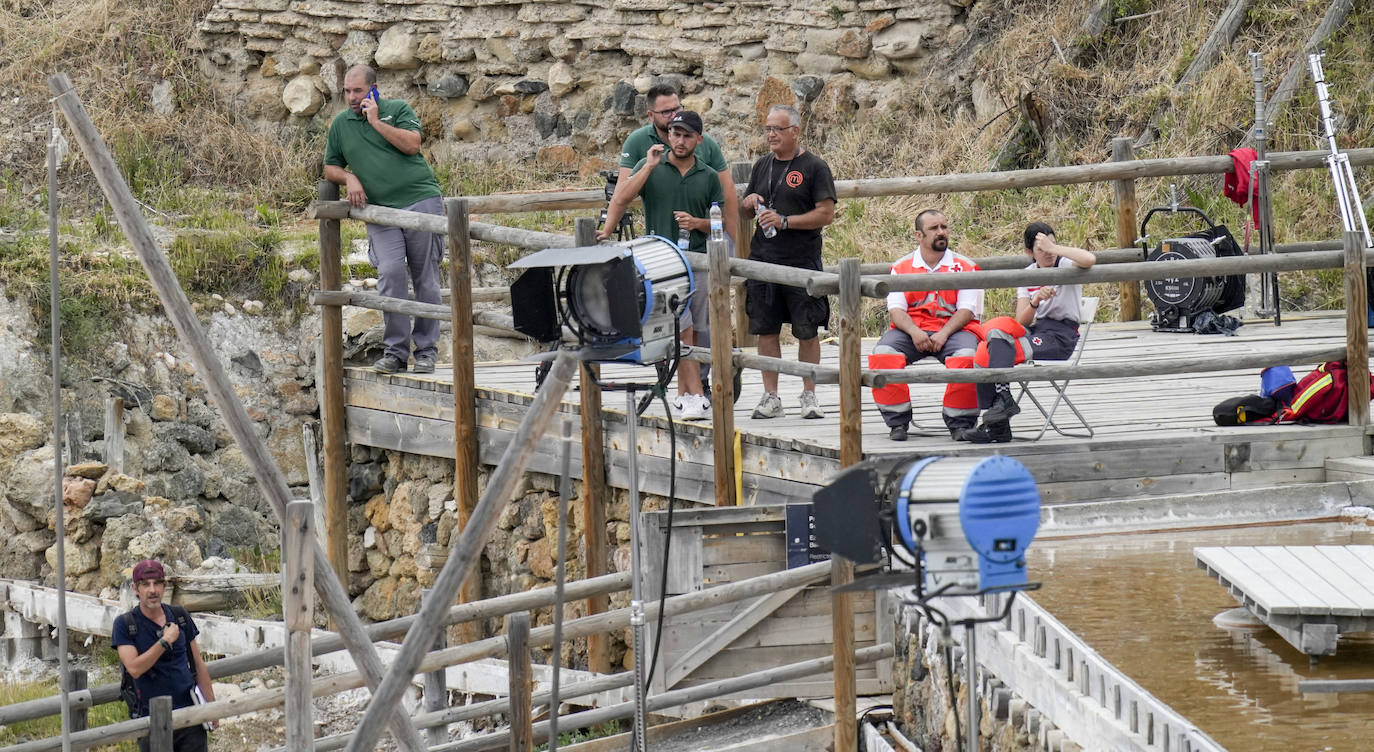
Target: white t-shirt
<point>1064,305</point>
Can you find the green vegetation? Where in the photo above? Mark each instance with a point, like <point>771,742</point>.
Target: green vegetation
<point>51,726</point>
<point>610,728</point>
<point>231,195</point>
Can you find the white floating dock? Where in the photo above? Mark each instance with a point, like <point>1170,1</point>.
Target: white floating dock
<point>1310,595</point>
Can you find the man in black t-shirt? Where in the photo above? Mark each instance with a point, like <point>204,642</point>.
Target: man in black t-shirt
<point>791,194</point>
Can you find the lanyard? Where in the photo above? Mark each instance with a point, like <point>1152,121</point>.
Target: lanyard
<point>772,183</point>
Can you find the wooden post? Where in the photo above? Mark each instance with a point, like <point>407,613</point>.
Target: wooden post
<point>114,434</point>
<point>722,371</point>
<point>314,477</point>
<point>740,171</point>
<point>464,390</point>
<point>78,682</point>
<point>298,614</point>
<point>594,493</point>
<point>851,452</point>
<point>332,394</point>
<point>160,723</point>
<point>1124,151</point>
<point>518,659</point>
<point>1356,330</point>
<point>270,479</point>
<point>436,689</point>
<point>75,444</point>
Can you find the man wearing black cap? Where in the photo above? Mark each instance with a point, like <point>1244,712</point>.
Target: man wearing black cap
<point>678,193</point>
<point>157,645</point>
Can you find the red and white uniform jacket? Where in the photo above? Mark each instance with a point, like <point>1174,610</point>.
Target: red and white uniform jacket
<point>931,310</point>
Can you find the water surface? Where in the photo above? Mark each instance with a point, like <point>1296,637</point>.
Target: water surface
<point>1141,601</point>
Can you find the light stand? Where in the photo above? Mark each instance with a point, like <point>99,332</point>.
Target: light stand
<point>1342,174</point>
<point>1259,182</point>
<point>637,620</point>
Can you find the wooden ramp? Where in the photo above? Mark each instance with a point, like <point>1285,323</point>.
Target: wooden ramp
<point>1310,595</point>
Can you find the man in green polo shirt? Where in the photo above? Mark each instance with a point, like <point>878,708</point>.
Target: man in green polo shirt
<point>378,141</point>
<point>678,193</point>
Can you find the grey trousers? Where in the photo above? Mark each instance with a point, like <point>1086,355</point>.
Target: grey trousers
<point>406,258</point>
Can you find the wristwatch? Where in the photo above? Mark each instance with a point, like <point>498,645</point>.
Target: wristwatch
<point>165,644</point>
<point>784,221</point>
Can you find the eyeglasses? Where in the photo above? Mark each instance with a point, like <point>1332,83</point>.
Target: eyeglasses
<point>667,112</point>
<point>777,128</point>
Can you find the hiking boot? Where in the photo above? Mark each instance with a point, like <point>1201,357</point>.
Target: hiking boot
<point>809,407</point>
<point>998,432</point>
<point>898,433</point>
<point>973,435</point>
<point>389,364</point>
<point>424,364</point>
<point>770,406</point>
<point>1003,406</point>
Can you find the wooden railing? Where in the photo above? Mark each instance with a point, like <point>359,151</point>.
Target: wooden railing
<point>309,562</point>
<point>849,281</point>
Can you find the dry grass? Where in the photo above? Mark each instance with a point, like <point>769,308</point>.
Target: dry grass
<point>115,52</point>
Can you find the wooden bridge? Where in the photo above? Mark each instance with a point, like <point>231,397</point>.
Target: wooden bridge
<point>1155,436</point>
<point>1309,595</point>
<point>480,415</point>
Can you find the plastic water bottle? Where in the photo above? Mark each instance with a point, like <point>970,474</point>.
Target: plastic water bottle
<point>768,232</point>
<point>717,226</point>
<point>684,238</point>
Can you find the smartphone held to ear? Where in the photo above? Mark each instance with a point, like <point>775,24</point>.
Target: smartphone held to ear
<point>373,95</point>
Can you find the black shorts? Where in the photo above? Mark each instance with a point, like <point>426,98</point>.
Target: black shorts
<point>771,305</point>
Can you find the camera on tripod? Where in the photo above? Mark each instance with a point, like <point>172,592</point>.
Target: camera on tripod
<point>625,230</point>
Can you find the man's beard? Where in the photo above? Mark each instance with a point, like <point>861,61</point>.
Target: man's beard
<point>940,244</point>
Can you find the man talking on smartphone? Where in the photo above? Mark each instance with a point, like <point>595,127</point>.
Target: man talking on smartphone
<point>373,150</point>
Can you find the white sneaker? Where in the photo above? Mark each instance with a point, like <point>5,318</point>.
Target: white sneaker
<point>695,407</point>
<point>770,406</point>
<point>677,402</point>
<point>809,407</point>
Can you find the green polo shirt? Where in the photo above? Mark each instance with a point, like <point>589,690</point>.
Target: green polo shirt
<point>390,177</point>
<point>669,190</point>
<point>637,147</point>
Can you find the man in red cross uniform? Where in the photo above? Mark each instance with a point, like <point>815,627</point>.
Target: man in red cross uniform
<point>941,323</point>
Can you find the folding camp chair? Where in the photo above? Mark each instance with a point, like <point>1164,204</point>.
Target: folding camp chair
<point>1087,310</point>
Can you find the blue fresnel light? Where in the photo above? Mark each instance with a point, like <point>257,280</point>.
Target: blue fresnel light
<point>963,524</point>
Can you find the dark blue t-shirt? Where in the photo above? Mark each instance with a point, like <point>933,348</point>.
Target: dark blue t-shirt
<point>171,675</point>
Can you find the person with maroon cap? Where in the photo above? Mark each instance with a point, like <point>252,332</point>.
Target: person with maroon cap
<point>156,643</point>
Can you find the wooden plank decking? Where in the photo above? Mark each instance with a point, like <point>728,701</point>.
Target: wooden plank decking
<point>1155,434</point>
<point>1308,594</point>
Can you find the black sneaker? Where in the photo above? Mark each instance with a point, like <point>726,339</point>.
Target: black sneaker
<point>1003,408</point>
<point>389,364</point>
<point>424,364</point>
<point>898,433</point>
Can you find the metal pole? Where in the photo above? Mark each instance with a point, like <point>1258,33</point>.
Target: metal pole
<point>971,679</point>
<point>55,319</point>
<point>560,573</point>
<point>1269,283</point>
<point>636,594</point>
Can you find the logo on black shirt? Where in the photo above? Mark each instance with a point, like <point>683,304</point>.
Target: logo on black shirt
<point>794,178</point>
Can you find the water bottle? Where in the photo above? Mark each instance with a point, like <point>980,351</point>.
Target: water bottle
<point>768,232</point>
<point>684,238</point>
<point>717,226</point>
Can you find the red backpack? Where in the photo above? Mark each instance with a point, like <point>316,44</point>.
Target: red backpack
<point>1320,397</point>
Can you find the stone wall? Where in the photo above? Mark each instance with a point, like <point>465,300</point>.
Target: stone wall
<point>403,519</point>
<point>563,82</point>
<point>926,714</point>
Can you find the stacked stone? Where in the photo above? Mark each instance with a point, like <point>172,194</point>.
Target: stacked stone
<point>533,74</point>
<point>186,491</point>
